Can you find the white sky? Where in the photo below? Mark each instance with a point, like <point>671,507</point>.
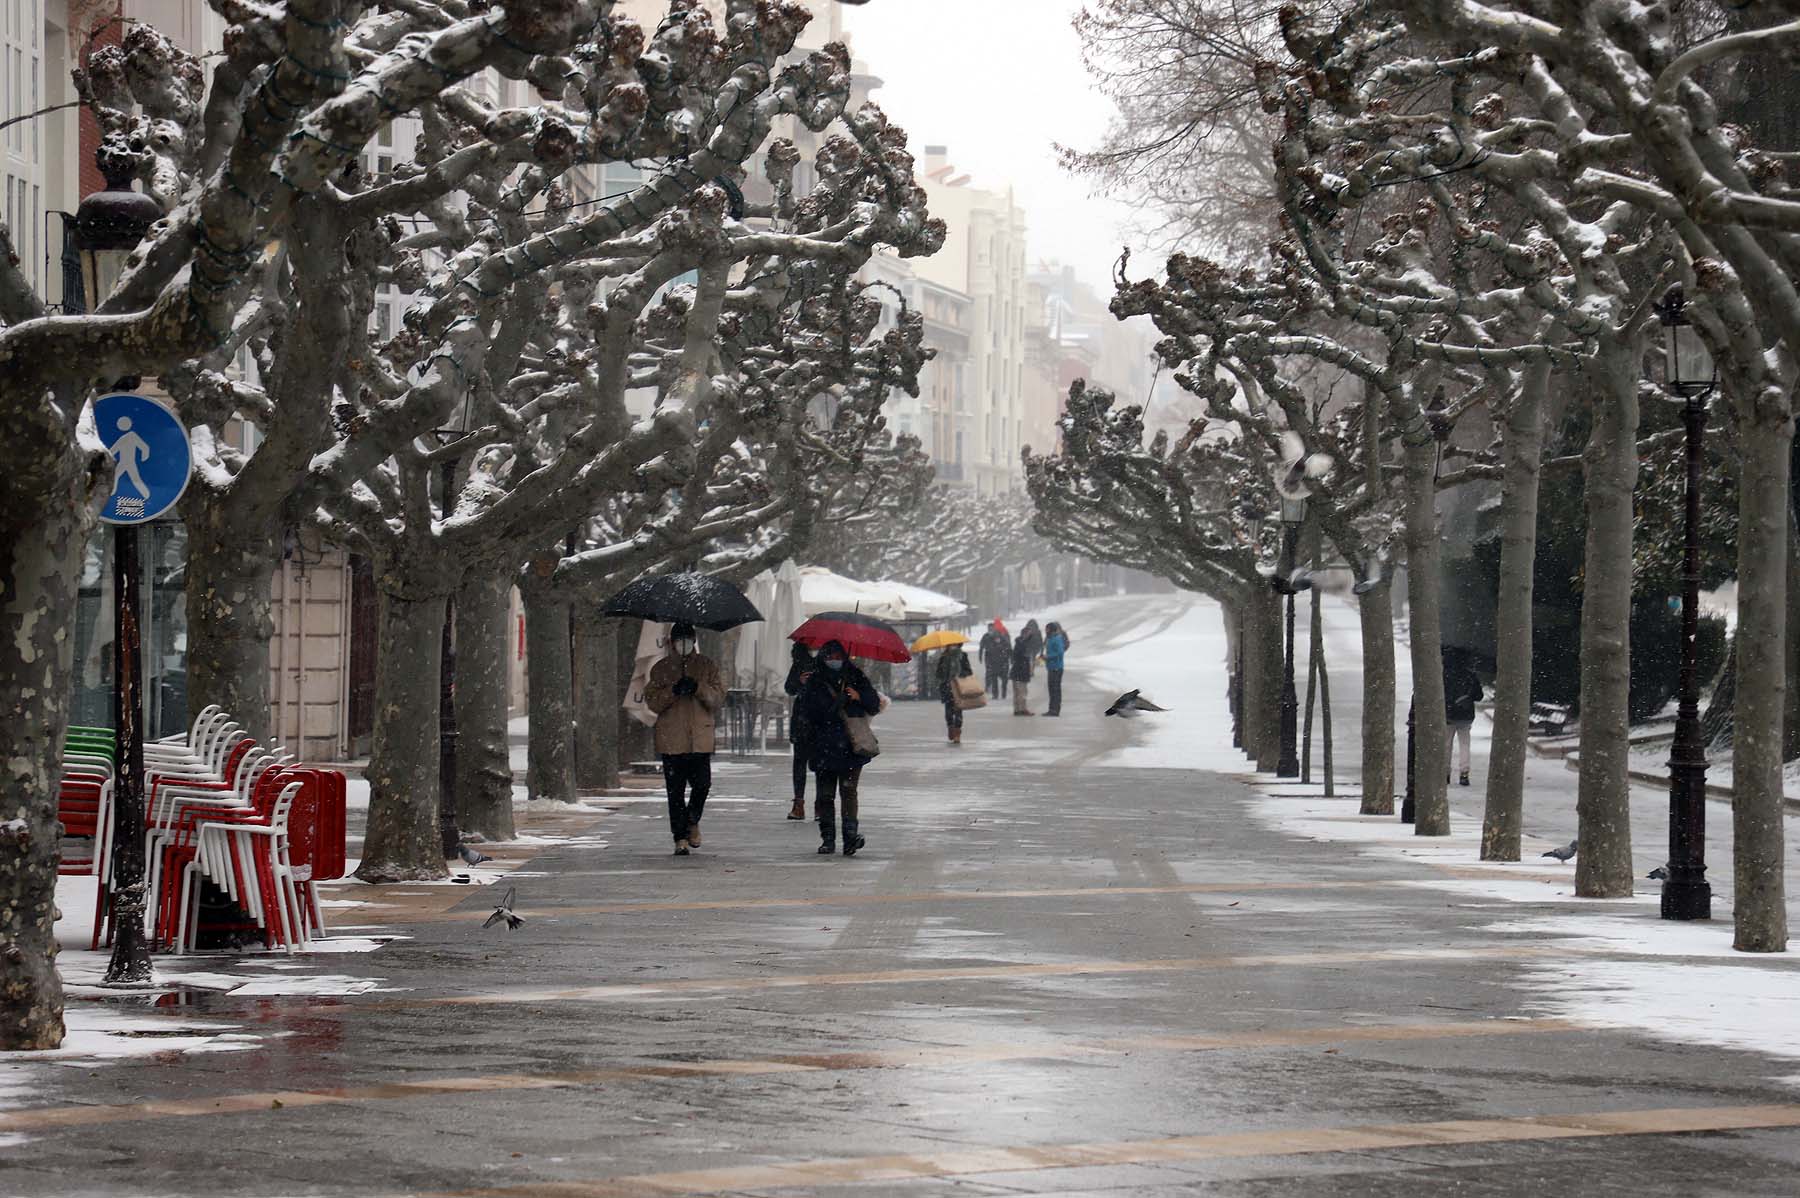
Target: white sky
<point>999,82</point>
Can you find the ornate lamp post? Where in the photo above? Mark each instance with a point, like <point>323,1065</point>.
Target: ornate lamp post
<point>1689,379</point>
<point>108,226</point>
<point>447,829</point>
<point>1293,514</point>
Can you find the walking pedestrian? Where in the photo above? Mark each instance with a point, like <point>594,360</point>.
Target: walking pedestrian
<point>1461,690</point>
<point>1056,648</point>
<point>836,693</point>
<point>952,663</point>
<point>685,693</point>
<point>799,671</point>
<point>1024,656</point>
<point>995,652</point>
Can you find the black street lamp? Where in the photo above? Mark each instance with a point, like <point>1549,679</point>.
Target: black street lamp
<point>447,736</point>
<point>1293,514</point>
<point>1688,379</point>
<point>107,227</point>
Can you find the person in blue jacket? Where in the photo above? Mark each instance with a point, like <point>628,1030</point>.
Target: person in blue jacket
<point>837,689</point>
<point>1056,648</point>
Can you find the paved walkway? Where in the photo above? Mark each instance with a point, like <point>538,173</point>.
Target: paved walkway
<point>1041,976</point>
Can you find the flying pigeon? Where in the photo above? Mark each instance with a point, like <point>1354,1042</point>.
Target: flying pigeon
<point>1372,574</point>
<point>1566,853</point>
<point>1298,468</point>
<point>1660,873</point>
<point>505,911</point>
<point>1130,704</point>
<point>1300,580</point>
<point>471,856</point>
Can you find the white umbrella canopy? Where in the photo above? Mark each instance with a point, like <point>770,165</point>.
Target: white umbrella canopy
<point>823,591</point>
<point>923,606</point>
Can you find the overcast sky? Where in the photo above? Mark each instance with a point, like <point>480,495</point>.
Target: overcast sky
<point>999,82</point>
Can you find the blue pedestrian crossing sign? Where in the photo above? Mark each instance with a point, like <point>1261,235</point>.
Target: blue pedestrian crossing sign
<point>152,454</point>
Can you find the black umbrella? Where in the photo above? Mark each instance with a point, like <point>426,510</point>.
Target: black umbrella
<point>697,599</point>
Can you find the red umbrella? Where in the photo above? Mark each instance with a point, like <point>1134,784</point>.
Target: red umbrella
<point>860,635</point>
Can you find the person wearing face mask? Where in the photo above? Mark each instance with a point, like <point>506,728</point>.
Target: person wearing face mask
<point>836,691</point>
<point>685,693</point>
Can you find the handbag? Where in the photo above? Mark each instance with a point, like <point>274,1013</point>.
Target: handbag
<point>968,693</point>
<point>862,736</point>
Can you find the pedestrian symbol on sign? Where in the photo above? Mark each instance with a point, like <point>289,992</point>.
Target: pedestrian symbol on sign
<point>151,451</point>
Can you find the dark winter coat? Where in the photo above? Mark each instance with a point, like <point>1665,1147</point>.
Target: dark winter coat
<point>951,664</point>
<point>822,707</point>
<point>996,651</point>
<point>1024,654</point>
<point>798,673</point>
<point>1461,690</point>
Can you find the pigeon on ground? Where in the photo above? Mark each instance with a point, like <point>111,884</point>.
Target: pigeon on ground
<point>1566,853</point>
<point>504,911</point>
<point>472,856</point>
<point>1660,873</point>
<point>1130,704</point>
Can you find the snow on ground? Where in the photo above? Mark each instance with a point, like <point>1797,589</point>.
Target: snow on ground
<point>1622,965</point>
<point>1172,648</point>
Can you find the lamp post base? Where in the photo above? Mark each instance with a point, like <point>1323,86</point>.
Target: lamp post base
<point>1686,899</point>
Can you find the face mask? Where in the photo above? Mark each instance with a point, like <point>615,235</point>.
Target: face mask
<point>684,647</point>
<point>834,663</point>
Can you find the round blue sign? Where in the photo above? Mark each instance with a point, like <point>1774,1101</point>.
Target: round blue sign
<point>152,454</point>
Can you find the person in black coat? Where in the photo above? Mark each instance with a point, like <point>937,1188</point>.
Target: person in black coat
<point>836,690</point>
<point>995,652</point>
<point>952,663</point>
<point>798,672</point>
<point>1025,649</point>
<point>1461,691</point>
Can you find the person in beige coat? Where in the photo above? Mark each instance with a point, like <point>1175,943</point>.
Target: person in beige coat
<point>685,693</point>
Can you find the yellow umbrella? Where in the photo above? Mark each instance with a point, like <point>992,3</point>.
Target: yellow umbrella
<point>943,638</point>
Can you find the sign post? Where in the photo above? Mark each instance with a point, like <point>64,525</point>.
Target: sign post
<point>154,461</point>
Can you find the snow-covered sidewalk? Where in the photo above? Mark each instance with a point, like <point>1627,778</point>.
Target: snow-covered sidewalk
<point>1615,963</point>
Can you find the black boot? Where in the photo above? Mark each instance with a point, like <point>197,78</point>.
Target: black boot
<point>827,838</point>
<point>852,838</point>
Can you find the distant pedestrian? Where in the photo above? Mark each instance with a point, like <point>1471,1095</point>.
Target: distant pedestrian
<point>1461,691</point>
<point>799,671</point>
<point>995,652</point>
<point>1025,649</point>
<point>1056,648</point>
<point>952,664</point>
<point>685,693</point>
<point>836,693</point>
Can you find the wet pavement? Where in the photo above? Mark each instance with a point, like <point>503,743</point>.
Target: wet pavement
<point>1041,976</point>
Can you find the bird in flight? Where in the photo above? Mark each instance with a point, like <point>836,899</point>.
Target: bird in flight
<point>1130,704</point>
<point>504,911</point>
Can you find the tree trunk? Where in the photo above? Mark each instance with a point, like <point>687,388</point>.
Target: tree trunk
<point>1262,679</point>
<point>1430,751</point>
<point>40,567</point>
<point>403,843</point>
<point>1376,608</point>
<point>231,619</point>
<point>1603,799</point>
<point>1760,909</point>
<point>1523,449</point>
<point>550,758</point>
<point>1325,762</point>
<point>1315,631</point>
<point>1790,733</point>
<point>596,700</point>
<point>483,753</point>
